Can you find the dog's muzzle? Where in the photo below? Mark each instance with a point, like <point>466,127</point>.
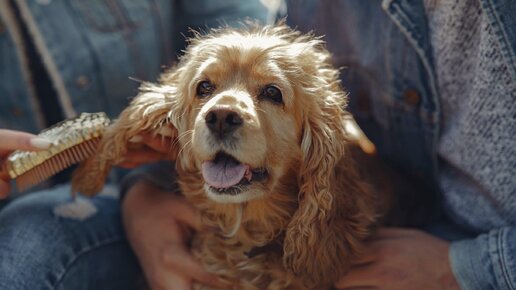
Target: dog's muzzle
<point>223,122</point>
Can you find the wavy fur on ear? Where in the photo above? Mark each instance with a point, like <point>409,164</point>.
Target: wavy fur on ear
<point>335,208</point>
<point>150,110</point>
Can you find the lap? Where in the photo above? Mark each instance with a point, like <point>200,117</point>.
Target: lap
<point>50,241</point>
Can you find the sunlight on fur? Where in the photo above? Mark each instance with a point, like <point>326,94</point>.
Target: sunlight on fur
<point>261,151</point>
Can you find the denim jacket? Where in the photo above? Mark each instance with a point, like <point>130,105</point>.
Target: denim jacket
<point>91,49</point>
<point>388,67</point>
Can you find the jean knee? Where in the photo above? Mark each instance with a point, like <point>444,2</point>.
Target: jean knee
<point>43,234</point>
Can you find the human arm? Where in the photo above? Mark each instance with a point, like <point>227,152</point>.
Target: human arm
<point>486,262</point>
<point>159,226</point>
<point>410,259</point>
<point>402,259</point>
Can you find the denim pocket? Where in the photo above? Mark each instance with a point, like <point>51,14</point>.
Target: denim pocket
<point>113,15</point>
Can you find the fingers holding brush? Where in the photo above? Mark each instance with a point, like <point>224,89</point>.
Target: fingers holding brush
<point>148,148</point>
<point>15,140</point>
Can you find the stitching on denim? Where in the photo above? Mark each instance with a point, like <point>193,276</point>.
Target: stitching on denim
<point>399,17</point>
<point>396,14</point>
<point>83,252</point>
<point>503,262</point>
<point>93,59</point>
<point>501,31</point>
<point>8,17</point>
<point>474,266</point>
<point>50,63</point>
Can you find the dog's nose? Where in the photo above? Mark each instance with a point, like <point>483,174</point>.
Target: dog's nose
<point>223,121</point>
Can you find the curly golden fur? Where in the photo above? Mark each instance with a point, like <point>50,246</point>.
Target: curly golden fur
<point>312,202</point>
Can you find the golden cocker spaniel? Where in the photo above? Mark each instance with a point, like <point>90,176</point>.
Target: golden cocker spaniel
<point>261,150</point>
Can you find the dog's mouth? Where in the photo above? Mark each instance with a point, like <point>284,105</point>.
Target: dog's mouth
<point>226,175</point>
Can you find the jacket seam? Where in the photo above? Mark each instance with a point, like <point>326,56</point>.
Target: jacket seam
<point>48,61</point>
<point>503,262</point>
<point>396,14</point>
<point>17,38</point>
<point>503,38</point>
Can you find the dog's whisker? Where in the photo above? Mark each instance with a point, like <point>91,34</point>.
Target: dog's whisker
<point>186,134</point>
<point>186,146</point>
<point>189,131</point>
<point>182,148</point>
<point>260,110</point>
<point>182,115</point>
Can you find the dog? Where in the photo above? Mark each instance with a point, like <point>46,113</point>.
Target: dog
<point>260,148</point>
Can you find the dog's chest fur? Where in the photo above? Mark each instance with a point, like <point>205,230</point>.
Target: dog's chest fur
<point>243,244</point>
<point>232,262</point>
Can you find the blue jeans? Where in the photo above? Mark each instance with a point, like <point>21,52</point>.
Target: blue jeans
<point>50,241</point>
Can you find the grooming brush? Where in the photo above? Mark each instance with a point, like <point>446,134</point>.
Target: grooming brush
<point>74,140</point>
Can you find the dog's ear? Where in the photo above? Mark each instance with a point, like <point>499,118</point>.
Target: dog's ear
<point>334,213</point>
<point>155,107</point>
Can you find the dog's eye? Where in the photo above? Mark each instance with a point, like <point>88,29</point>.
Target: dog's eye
<point>205,88</point>
<point>272,93</point>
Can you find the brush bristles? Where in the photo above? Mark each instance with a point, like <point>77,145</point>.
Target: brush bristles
<point>74,140</point>
<point>57,163</point>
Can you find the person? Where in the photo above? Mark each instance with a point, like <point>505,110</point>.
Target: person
<point>432,83</point>
<point>59,58</point>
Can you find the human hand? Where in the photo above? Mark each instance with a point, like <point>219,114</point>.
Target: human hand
<point>14,140</point>
<point>148,148</point>
<point>402,259</point>
<point>159,225</point>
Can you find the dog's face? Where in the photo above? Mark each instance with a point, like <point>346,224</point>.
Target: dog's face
<point>245,116</point>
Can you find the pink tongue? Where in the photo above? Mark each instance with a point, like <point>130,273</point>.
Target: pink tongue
<point>223,174</point>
